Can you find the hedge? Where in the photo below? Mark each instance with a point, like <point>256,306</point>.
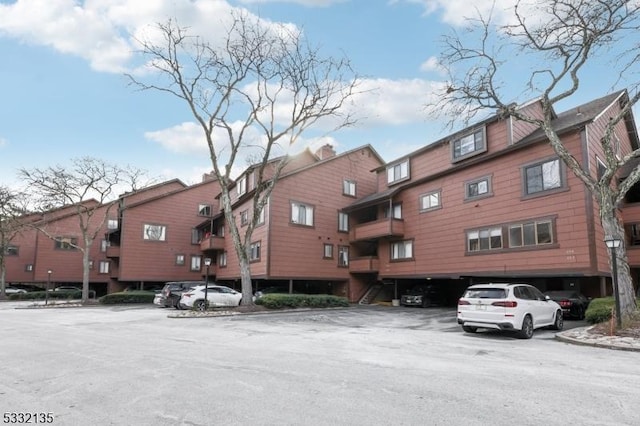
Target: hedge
<point>599,310</point>
<point>136,296</point>
<point>279,301</point>
<point>42,295</point>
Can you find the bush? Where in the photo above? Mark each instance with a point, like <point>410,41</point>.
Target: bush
<point>280,301</point>
<point>599,310</point>
<point>128,297</point>
<point>42,295</point>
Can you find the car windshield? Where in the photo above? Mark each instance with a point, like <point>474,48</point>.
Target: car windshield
<point>485,293</point>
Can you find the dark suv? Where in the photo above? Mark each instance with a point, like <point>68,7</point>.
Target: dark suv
<point>423,295</point>
<point>172,292</point>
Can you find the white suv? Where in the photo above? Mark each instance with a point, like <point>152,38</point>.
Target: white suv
<point>217,295</point>
<point>508,306</point>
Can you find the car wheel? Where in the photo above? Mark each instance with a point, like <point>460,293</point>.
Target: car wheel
<point>468,329</point>
<point>581,313</point>
<point>559,322</point>
<point>176,304</point>
<point>200,305</point>
<point>526,332</point>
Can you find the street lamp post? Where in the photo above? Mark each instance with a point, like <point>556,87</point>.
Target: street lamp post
<point>207,262</point>
<point>613,243</point>
<point>46,293</point>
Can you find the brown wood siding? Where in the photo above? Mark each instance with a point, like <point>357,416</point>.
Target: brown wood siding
<point>143,260</point>
<point>523,128</point>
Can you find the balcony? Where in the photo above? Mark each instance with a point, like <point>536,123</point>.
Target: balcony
<point>378,229</point>
<point>113,251</point>
<point>631,213</point>
<point>364,264</point>
<point>212,243</point>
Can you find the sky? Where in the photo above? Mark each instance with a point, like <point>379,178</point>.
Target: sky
<point>63,93</point>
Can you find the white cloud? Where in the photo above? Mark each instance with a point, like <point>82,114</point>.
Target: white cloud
<point>308,3</point>
<point>456,12</point>
<point>432,64</point>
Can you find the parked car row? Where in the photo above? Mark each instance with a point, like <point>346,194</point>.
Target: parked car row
<point>192,294</point>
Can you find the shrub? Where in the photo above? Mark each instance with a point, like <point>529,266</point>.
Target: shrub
<point>599,310</point>
<point>280,301</point>
<point>127,297</point>
<point>42,295</point>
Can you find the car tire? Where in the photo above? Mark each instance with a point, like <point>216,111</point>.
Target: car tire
<point>526,331</point>
<point>468,329</point>
<point>581,313</point>
<point>200,305</point>
<point>558,324</point>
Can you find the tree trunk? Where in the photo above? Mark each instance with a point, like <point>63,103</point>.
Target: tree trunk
<point>245,279</point>
<point>85,273</point>
<point>614,228</point>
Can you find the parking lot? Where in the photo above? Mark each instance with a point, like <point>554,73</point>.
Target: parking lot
<point>355,366</point>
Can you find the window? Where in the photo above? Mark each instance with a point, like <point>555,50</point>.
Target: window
<point>301,214</point>
<point>343,255</point>
<point>104,267</point>
<point>222,259</point>
<point>220,231</point>
<point>254,251</point>
<point>104,244</point>
<point>601,168</point>
<point>478,188</point>
<point>402,250</point>
<point>542,177</point>
<point>112,224</point>
<point>28,267</point>
<point>327,251</point>
<point>241,185</point>
<point>65,243</point>
<point>349,188</point>
<point>204,210</point>
<point>196,263</point>
<point>430,201</point>
<point>469,145</point>
<point>197,235</point>
<point>261,216</point>
<point>398,172</point>
<point>91,264</point>
<point>343,222</point>
<point>484,239</point>
<point>634,234</point>
<point>154,232</point>
<point>11,250</point>
<point>244,217</point>
<point>396,211</point>
<point>179,259</point>
<point>530,234</point>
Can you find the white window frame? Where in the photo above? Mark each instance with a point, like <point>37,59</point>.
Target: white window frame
<point>349,188</point>
<point>327,251</point>
<point>112,224</point>
<point>535,229</point>
<point>154,232</point>
<point>204,210</point>
<point>254,251</point>
<point>343,222</point>
<point>483,186</point>
<point>398,172</point>
<point>485,239</point>
<point>222,259</point>
<point>241,186</point>
<point>430,201</point>
<point>302,214</point>
<point>104,267</point>
<point>401,250</point>
<point>396,211</point>
<point>196,263</point>
<point>343,256</point>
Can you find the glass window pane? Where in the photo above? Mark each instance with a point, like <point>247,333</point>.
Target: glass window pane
<point>529,234</point>
<point>551,174</point>
<point>515,236</point>
<point>544,233</point>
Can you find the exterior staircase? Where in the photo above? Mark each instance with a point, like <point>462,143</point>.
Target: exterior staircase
<point>371,294</point>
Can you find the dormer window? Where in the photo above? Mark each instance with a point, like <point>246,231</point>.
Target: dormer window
<point>398,172</point>
<point>241,185</point>
<point>469,145</point>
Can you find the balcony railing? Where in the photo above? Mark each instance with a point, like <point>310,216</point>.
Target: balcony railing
<point>113,251</point>
<point>364,264</point>
<point>378,229</point>
<point>212,243</point>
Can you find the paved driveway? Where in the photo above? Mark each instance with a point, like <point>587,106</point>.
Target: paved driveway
<point>360,366</point>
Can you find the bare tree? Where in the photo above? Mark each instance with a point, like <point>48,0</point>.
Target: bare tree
<point>90,187</point>
<point>564,36</point>
<point>259,78</point>
<point>12,212</point>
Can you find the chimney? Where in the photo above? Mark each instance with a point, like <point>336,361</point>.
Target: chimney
<point>326,151</point>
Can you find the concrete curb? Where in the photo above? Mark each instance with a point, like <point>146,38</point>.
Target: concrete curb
<point>581,336</point>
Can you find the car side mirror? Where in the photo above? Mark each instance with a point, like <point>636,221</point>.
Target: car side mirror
<point>547,298</point>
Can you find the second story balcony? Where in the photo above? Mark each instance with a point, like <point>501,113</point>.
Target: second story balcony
<point>378,229</point>
<point>113,251</point>
<point>364,264</point>
<point>212,242</point>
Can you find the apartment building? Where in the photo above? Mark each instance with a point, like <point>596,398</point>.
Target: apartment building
<point>154,237</point>
<point>492,202</point>
<point>302,241</point>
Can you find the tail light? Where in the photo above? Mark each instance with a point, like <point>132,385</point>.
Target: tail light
<point>505,303</point>
<point>187,294</point>
<point>565,303</point>
<point>463,302</point>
